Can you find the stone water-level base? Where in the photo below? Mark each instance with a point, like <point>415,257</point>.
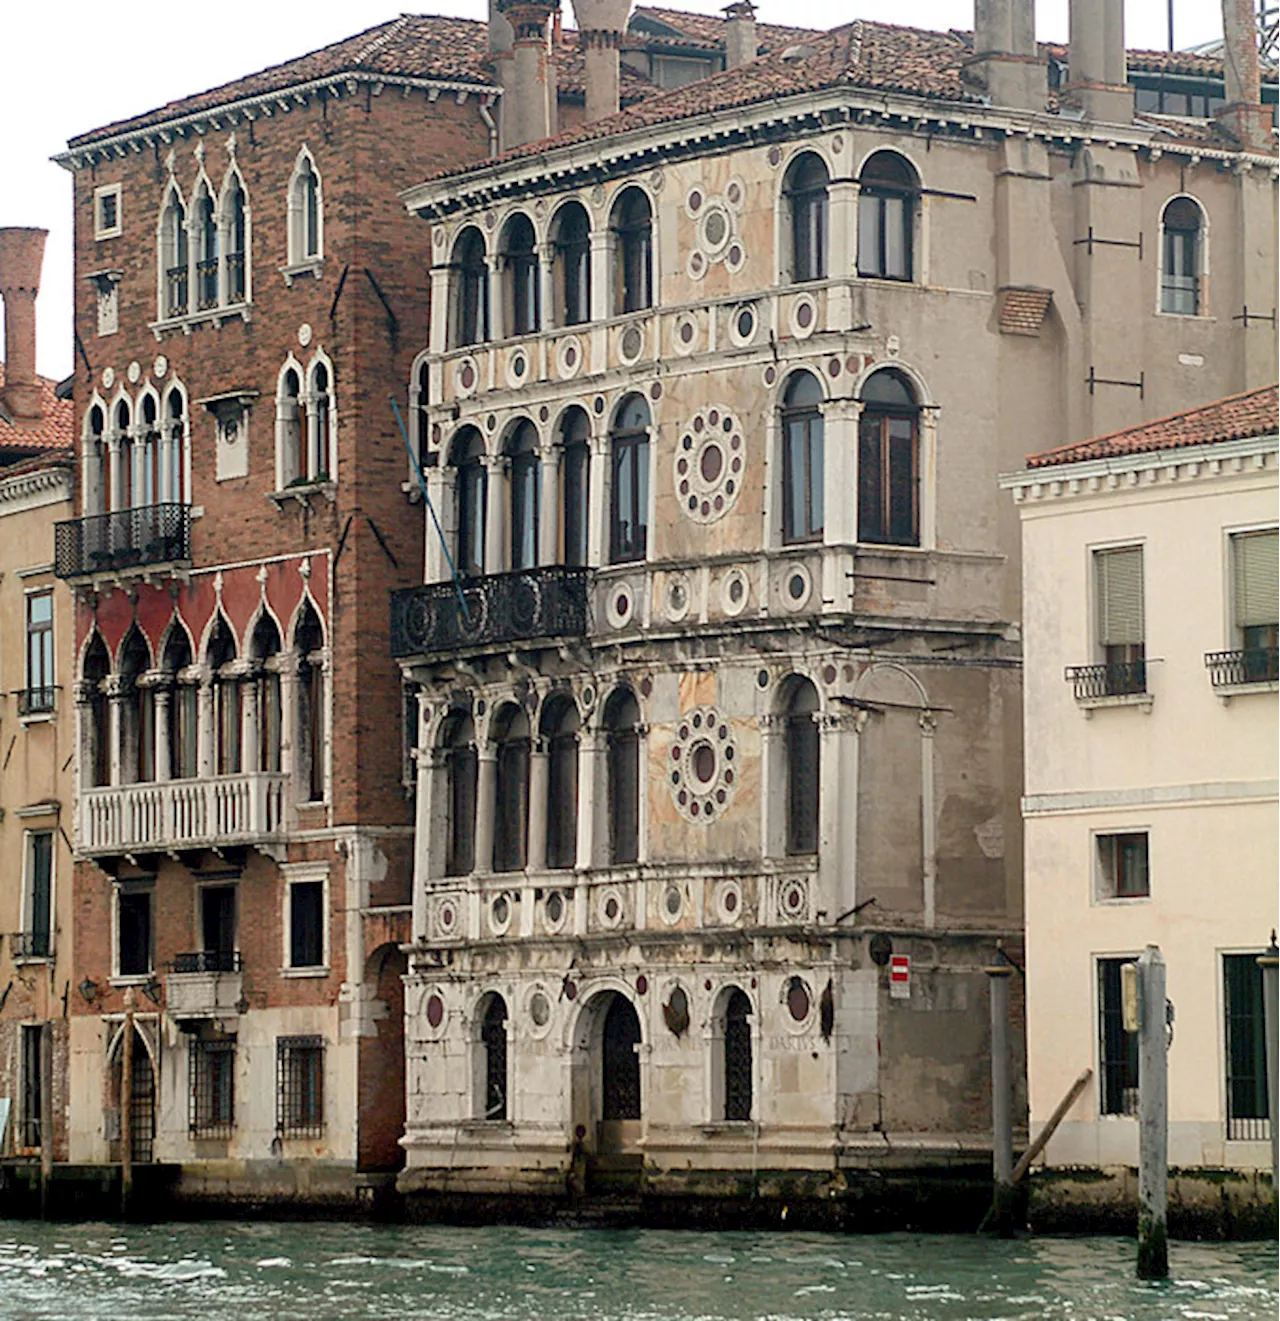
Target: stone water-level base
<point>1203,1204</point>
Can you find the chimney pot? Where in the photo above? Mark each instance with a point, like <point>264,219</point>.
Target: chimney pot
<point>21,256</point>
<point>741,43</point>
<point>601,26</point>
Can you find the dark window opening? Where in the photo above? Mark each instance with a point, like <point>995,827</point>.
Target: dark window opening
<point>803,470</point>
<point>218,921</point>
<point>633,251</point>
<point>133,915</point>
<point>1117,1049</point>
<point>526,469</point>
<point>306,924</point>
<point>236,241</point>
<point>560,729</point>
<point>573,256</point>
<point>493,1039</point>
<point>802,751</point>
<point>511,796</point>
<point>211,1101</point>
<point>575,475</point>
<point>1248,1111</point>
<point>471,497</point>
<point>805,190</point>
<point>1180,276</point>
<point>472,310</point>
<point>1122,866</point>
<point>629,505</point>
<point>737,1057</point>
<point>886,217</point>
<point>38,936</point>
<point>32,1102</point>
<point>462,768</point>
<point>524,276</point>
<point>889,462</point>
<point>621,1063</point>
<point>622,723</point>
<point>300,1087</point>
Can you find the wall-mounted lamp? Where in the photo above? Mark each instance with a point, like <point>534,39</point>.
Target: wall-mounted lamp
<point>152,990</point>
<point>89,990</point>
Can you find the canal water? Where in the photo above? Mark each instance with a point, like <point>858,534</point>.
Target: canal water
<point>332,1272</point>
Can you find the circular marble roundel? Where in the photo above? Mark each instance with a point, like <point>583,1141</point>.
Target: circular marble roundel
<point>703,765</point>
<point>711,456</point>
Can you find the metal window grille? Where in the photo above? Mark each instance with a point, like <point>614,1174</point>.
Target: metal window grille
<point>737,1058</point>
<point>143,1110</point>
<point>300,1087</point>
<point>1248,1118</point>
<point>211,1110</point>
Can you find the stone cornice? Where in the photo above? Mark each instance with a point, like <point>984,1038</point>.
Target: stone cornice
<point>31,490</point>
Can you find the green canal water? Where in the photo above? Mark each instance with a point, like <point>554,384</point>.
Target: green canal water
<point>331,1272</point>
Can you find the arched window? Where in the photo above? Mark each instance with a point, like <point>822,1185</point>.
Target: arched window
<point>886,216</point>
<point>95,465</point>
<point>265,651</point>
<point>493,1044</point>
<point>206,251</point>
<point>138,734</point>
<point>629,503</point>
<point>320,465</point>
<point>461,769</point>
<point>522,286</point>
<point>147,483</point>
<point>97,762</point>
<point>573,264</point>
<point>471,496</point>
<point>522,449</point>
<point>235,221</point>
<point>575,479</point>
<point>632,226</point>
<point>306,216</point>
<point>289,427</point>
<point>622,730</point>
<point>511,795</point>
<point>310,740</point>
<point>173,464</point>
<point>184,706</point>
<point>803,462</point>
<point>889,462</point>
<point>1181,226</point>
<point>226,700</point>
<point>737,1057</point>
<point>560,724</point>
<point>802,768</point>
<point>471,283</point>
<point>423,408</point>
<point>805,190</point>
<point>173,256</point>
<point>121,442</point>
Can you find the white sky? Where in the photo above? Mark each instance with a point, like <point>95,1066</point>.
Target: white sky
<point>86,65</point>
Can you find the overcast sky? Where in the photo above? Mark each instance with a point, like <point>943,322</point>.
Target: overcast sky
<point>83,66</point>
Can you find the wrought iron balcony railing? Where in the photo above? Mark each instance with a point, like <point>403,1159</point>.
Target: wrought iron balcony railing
<point>176,301</point>
<point>207,284</point>
<point>1252,665</point>
<point>122,539</point>
<point>31,944</point>
<point>235,277</point>
<point>37,701</point>
<point>502,607</point>
<point>1125,679</point>
<point>207,960</point>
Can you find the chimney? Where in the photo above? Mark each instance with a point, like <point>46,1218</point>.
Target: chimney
<point>21,256</point>
<point>740,41</point>
<point>602,24</point>
<point>1096,76</point>
<point>1005,59</point>
<point>528,109</point>
<point>501,38</point>
<point>1243,116</point>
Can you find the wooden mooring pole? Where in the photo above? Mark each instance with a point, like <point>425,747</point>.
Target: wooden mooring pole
<point>1270,964</point>
<point>126,1104</point>
<point>1153,1118</point>
<point>1002,1197</point>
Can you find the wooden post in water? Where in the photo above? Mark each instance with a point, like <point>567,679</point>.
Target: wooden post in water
<point>46,1115</point>
<point>1270,964</point>
<point>1001,1100</point>
<point>1153,1118</point>
<point>126,1103</point>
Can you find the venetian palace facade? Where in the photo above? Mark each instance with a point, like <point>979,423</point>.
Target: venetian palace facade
<point>720,717</point>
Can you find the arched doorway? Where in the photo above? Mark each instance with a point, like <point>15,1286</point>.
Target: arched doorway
<point>142,1120</point>
<point>381,1065</point>
<point>620,1064</point>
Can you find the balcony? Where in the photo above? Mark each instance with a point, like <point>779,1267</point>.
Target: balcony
<point>36,701</point>
<point>123,540</point>
<point>499,608</point>
<point>1243,669</point>
<point>1092,682</point>
<point>204,984</point>
<point>183,814</point>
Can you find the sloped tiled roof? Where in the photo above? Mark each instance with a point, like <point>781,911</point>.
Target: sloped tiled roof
<point>1237,417</point>
<point>708,30</point>
<point>54,431</point>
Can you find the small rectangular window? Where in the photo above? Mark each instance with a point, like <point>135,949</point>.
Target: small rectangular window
<point>1117,1049</point>
<point>1122,866</point>
<point>306,924</point>
<point>106,211</point>
<point>40,673</point>
<point>37,938</point>
<point>1121,620</point>
<point>300,1087</point>
<point>134,937</point>
<point>211,1102</point>
<point>1248,1113</point>
<point>218,927</point>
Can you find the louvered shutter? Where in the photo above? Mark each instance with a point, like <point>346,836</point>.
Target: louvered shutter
<point>1119,590</point>
<point>1256,561</point>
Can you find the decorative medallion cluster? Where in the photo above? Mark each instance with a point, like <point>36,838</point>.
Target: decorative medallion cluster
<point>715,217</point>
<point>703,765</point>
<point>709,461</point>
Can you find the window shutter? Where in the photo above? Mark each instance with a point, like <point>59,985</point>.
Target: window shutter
<point>1119,588</point>
<point>1256,562</point>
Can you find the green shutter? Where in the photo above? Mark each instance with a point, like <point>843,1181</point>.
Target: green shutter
<point>1118,575</point>
<point>1256,562</point>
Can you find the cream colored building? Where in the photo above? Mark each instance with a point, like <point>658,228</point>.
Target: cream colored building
<point>1149,624</point>
<point>725,715</point>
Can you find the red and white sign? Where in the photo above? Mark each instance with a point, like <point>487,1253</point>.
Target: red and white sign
<point>900,977</point>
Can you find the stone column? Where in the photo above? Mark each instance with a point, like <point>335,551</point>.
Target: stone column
<point>547,314</point>
<point>205,741</point>
<point>287,664</point>
<point>164,766</point>
<point>601,285</point>
<point>838,750</point>
<point>536,853</point>
<point>642,804</point>
<point>486,804</point>
<point>773,786</point>
<point>424,842</point>
<point>116,461</point>
<point>598,500</point>
<point>590,746</point>
<point>496,514</point>
<point>251,697</point>
<point>928,818</point>
<point>114,689</point>
<point>549,505</point>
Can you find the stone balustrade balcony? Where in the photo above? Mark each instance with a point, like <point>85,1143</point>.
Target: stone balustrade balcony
<point>204,984</point>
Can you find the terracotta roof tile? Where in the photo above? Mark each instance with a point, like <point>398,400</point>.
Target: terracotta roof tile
<point>54,431</point>
<point>1238,417</point>
<point>1022,311</point>
<point>708,30</point>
